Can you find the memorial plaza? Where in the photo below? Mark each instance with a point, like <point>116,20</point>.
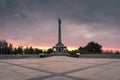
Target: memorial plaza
<point>60,68</point>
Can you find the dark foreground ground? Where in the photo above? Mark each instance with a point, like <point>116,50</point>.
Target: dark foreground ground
<point>108,56</point>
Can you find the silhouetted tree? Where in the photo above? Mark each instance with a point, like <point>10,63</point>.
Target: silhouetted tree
<point>3,46</point>
<point>15,51</point>
<point>37,51</point>
<point>20,50</point>
<point>117,52</point>
<point>31,50</point>
<point>73,52</point>
<point>50,50</point>
<point>10,49</point>
<point>91,47</point>
<point>26,50</point>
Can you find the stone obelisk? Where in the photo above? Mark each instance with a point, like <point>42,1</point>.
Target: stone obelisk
<point>59,31</point>
<point>59,47</point>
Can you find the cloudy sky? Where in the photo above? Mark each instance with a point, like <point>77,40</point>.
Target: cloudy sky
<point>35,22</point>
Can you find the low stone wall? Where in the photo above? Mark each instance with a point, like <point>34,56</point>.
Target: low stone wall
<point>18,56</point>
<point>116,56</point>
<point>107,56</point>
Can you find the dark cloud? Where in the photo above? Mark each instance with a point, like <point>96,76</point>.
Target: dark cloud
<point>81,11</point>
<point>83,20</point>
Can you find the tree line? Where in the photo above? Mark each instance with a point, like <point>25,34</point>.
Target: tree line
<point>6,48</point>
<point>90,48</point>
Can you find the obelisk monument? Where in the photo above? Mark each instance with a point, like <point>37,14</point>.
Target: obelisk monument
<point>59,31</point>
<point>59,47</point>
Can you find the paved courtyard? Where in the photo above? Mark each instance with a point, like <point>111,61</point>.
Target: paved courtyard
<point>60,68</point>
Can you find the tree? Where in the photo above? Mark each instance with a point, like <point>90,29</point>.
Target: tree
<point>37,51</point>
<point>26,50</point>
<point>91,47</point>
<point>73,52</point>
<point>117,52</point>
<point>31,50</point>
<point>10,49</point>
<point>15,51</point>
<point>20,50</point>
<point>3,46</point>
<point>50,50</point>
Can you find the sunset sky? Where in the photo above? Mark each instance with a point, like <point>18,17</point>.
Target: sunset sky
<point>35,22</point>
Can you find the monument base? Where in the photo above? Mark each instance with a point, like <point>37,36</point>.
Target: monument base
<point>60,54</point>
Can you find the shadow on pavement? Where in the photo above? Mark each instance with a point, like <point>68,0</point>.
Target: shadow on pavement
<point>53,78</point>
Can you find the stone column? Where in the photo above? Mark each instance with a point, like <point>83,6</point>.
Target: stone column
<point>59,31</point>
